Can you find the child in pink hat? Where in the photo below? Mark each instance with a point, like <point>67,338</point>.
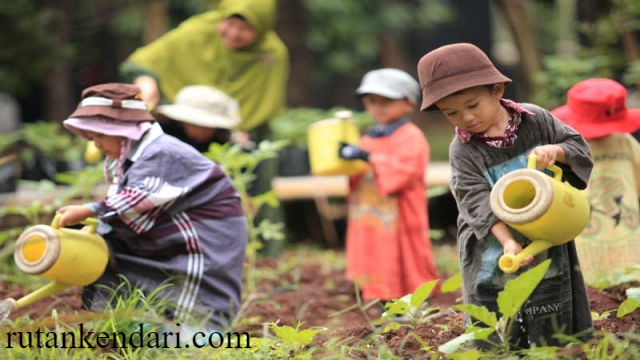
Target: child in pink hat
<point>171,216</point>
<point>608,247</point>
<point>493,137</point>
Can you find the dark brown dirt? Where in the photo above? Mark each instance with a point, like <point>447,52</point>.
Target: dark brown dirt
<point>320,295</point>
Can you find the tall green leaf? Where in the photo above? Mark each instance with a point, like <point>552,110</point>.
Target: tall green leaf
<point>422,293</point>
<point>480,313</point>
<point>518,290</point>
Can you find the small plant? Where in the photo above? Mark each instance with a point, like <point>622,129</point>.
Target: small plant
<point>240,165</point>
<point>631,303</point>
<point>293,340</point>
<point>23,216</point>
<point>293,125</point>
<point>510,301</point>
<point>49,139</point>
<point>82,181</point>
<point>411,309</point>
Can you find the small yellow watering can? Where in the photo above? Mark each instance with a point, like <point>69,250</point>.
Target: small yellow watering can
<point>543,208</point>
<point>324,143</point>
<point>68,257</point>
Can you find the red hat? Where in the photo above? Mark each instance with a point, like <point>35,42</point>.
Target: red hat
<point>116,101</point>
<point>597,108</point>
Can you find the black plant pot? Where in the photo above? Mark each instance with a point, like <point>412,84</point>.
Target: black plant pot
<point>9,175</point>
<point>43,167</point>
<point>293,161</point>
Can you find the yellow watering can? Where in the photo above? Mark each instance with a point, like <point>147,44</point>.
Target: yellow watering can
<point>324,139</point>
<point>543,208</point>
<point>68,257</point>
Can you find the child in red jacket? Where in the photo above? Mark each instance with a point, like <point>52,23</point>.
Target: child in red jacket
<point>388,247</point>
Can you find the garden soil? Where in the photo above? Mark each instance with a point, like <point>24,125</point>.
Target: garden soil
<point>320,296</point>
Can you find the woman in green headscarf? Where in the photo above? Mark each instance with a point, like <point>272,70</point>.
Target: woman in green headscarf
<point>233,48</point>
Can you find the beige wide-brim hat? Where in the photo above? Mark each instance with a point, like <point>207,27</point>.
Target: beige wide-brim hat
<point>203,106</point>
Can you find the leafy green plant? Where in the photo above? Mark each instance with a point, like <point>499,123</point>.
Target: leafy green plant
<point>293,124</point>
<point>630,304</point>
<point>332,24</point>
<point>48,138</point>
<point>24,216</point>
<point>241,165</point>
<point>8,140</point>
<point>562,72</point>
<point>293,339</point>
<point>510,301</point>
<point>611,346</point>
<point>412,309</point>
<point>82,181</point>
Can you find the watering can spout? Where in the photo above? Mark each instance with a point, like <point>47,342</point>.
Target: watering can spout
<point>510,263</point>
<point>45,291</point>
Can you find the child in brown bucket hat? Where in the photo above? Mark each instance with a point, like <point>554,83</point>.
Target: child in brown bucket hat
<point>597,109</point>
<point>170,216</point>
<point>493,137</point>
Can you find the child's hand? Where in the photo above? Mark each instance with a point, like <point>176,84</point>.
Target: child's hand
<point>73,214</point>
<point>547,155</point>
<point>352,152</point>
<point>512,247</point>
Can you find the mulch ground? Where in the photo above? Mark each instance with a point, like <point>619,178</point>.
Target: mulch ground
<point>318,294</point>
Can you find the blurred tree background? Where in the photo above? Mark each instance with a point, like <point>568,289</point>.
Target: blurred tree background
<point>50,50</point>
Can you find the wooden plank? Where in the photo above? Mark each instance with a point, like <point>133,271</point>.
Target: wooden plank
<point>287,188</point>
<point>309,187</point>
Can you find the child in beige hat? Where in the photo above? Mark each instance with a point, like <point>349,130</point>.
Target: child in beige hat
<point>200,115</point>
<point>493,137</point>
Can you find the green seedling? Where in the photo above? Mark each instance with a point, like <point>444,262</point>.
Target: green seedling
<point>241,165</point>
<point>411,309</point>
<point>510,301</point>
<point>631,303</point>
<point>293,340</point>
<point>82,182</point>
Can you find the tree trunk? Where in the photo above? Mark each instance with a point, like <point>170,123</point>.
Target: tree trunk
<point>520,19</point>
<point>567,43</point>
<point>155,13</point>
<point>391,55</point>
<point>631,52</point>
<point>57,88</point>
<point>291,27</point>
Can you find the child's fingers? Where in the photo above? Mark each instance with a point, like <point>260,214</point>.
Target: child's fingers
<point>528,260</point>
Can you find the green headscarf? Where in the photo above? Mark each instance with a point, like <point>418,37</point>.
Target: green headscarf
<point>193,53</point>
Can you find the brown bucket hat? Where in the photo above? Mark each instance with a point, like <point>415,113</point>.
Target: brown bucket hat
<point>114,100</point>
<point>451,68</point>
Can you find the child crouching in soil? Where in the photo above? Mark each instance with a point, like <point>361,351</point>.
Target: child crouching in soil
<point>171,215</point>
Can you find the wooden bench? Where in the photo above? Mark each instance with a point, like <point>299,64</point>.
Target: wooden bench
<point>322,190</point>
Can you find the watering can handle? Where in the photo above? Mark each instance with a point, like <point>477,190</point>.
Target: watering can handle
<point>556,170</point>
<point>92,222</point>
